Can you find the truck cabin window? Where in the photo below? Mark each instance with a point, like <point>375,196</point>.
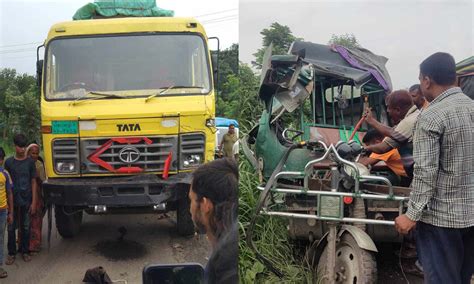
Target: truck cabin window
<point>130,66</point>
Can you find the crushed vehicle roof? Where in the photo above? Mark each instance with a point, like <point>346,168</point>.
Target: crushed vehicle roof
<point>357,64</point>
<point>287,77</point>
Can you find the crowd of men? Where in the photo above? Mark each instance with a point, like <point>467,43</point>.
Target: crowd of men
<point>21,201</point>
<point>431,148</point>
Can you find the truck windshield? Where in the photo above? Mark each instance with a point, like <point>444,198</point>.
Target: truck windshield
<point>126,66</point>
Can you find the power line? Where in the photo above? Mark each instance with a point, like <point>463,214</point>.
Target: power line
<point>214,13</point>
<point>21,44</point>
<point>222,19</point>
<point>20,57</point>
<point>17,50</point>
<point>214,24</point>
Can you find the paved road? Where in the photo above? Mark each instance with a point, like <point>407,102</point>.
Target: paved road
<point>149,239</point>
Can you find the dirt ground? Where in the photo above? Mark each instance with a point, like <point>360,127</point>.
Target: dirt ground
<point>149,239</point>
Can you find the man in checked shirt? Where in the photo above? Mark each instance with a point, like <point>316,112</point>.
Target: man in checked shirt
<point>441,204</point>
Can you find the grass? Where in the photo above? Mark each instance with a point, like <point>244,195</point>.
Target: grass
<point>270,238</point>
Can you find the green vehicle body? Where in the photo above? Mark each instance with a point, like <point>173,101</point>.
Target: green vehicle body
<point>323,111</point>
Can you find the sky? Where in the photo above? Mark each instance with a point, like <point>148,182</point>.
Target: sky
<point>404,31</point>
<point>24,25</point>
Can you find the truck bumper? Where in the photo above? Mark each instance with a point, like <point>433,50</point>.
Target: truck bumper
<point>130,191</point>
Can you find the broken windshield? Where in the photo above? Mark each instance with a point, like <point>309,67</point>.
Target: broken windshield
<point>128,66</point>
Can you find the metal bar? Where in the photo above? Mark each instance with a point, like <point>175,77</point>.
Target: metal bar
<point>352,105</point>
<point>288,174</point>
<point>345,219</point>
<point>350,194</point>
<point>372,92</point>
<point>313,109</point>
<point>323,99</point>
<point>333,106</point>
<point>331,256</point>
<point>379,178</point>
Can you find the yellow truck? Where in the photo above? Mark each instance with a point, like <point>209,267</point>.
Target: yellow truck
<point>127,113</point>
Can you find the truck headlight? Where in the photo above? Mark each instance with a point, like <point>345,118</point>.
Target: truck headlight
<point>192,149</point>
<point>66,167</point>
<point>192,161</point>
<point>66,155</point>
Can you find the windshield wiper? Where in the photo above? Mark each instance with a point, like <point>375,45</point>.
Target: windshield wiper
<point>101,95</point>
<point>169,88</point>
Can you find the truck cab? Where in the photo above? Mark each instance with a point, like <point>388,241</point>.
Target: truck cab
<point>127,113</point>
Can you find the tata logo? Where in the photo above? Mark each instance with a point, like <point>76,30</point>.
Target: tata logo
<point>128,127</point>
<point>129,155</point>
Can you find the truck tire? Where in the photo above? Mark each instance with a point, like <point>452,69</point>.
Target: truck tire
<point>184,221</point>
<point>353,264</point>
<point>68,224</point>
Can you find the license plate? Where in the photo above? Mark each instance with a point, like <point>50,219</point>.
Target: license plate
<point>64,127</point>
<point>330,206</point>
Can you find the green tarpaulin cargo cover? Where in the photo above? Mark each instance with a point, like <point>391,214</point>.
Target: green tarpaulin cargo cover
<point>117,8</point>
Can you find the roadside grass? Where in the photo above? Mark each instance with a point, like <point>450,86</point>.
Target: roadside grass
<point>270,237</point>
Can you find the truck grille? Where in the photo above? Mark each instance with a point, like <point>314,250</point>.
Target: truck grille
<point>192,143</point>
<point>148,154</point>
<point>65,149</point>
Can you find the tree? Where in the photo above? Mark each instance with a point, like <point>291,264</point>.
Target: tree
<point>30,120</point>
<point>228,64</point>
<point>19,105</point>
<point>239,98</point>
<point>249,104</point>
<point>280,36</point>
<point>227,84</point>
<point>346,40</point>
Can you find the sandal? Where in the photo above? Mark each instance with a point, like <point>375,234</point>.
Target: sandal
<point>26,257</point>
<point>3,273</point>
<point>10,260</point>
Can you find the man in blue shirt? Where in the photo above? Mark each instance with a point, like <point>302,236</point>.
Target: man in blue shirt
<point>23,173</point>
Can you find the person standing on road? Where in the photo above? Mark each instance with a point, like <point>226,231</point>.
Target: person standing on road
<point>228,141</point>
<point>214,203</point>
<point>418,99</point>
<point>6,207</point>
<point>23,173</point>
<point>441,203</point>
<point>33,151</point>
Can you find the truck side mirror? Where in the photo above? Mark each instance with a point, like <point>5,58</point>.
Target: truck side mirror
<point>187,273</point>
<point>215,61</point>
<point>39,72</point>
<point>215,65</point>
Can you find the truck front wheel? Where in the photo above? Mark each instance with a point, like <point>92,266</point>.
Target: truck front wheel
<point>183,215</point>
<point>68,221</point>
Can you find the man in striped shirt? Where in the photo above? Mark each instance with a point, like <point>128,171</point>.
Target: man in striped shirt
<point>441,204</point>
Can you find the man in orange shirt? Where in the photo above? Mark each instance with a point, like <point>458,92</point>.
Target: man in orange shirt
<point>391,158</point>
